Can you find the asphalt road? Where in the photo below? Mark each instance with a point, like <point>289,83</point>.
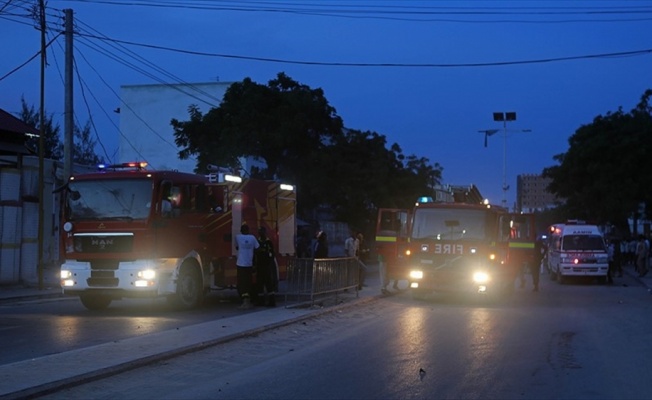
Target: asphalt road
<point>574,341</point>
<point>36,328</point>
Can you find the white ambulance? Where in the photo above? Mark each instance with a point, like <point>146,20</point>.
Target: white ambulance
<point>577,249</point>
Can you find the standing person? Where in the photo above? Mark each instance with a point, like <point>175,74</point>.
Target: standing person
<point>363,251</point>
<point>535,264</point>
<point>245,244</point>
<point>611,249</point>
<point>321,245</point>
<point>266,271</point>
<point>350,245</point>
<point>303,244</point>
<point>641,257</point>
<point>618,257</point>
<point>359,241</point>
<point>352,249</point>
<point>631,248</point>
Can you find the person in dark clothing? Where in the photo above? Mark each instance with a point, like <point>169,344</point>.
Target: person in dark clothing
<point>618,258</point>
<point>303,244</point>
<point>266,271</point>
<point>535,265</point>
<point>321,246</point>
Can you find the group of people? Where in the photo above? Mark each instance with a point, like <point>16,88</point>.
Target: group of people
<point>352,248</point>
<point>256,256</point>
<point>634,252</point>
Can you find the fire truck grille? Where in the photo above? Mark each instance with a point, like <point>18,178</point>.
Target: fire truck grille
<point>104,244</point>
<point>102,282</point>
<point>98,265</point>
<point>102,274</point>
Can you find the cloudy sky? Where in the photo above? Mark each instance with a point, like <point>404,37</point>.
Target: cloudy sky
<point>426,74</point>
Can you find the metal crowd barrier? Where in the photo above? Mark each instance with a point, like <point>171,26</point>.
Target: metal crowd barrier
<point>309,278</point>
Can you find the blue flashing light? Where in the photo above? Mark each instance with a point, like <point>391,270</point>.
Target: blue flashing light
<point>134,165</point>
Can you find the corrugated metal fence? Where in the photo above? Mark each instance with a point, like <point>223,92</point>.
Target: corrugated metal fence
<point>309,279</point>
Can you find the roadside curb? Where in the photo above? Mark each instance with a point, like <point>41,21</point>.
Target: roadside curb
<point>77,378</point>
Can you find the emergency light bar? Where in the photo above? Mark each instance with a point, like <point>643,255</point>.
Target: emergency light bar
<point>134,164</point>
<point>232,178</point>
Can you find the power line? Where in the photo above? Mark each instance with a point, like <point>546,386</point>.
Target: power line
<point>403,12</point>
<point>385,65</point>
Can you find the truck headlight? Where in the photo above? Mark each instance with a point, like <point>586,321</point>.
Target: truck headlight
<point>145,278</point>
<point>416,274</point>
<point>147,274</point>
<point>480,277</point>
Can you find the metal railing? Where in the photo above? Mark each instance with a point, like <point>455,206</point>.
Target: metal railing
<point>308,279</point>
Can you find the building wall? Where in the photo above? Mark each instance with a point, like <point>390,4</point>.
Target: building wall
<point>145,115</point>
<point>532,193</point>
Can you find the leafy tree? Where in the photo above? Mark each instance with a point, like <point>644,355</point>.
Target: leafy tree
<point>83,146</point>
<point>298,135</point>
<point>604,174</point>
<point>52,147</point>
<point>277,123</point>
<point>357,174</point>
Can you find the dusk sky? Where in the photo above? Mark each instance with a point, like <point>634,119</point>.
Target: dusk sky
<point>428,75</point>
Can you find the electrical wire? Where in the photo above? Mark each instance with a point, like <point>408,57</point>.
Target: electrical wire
<point>392,65</point>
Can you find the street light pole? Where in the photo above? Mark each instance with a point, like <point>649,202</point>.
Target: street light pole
<point>504,117</point>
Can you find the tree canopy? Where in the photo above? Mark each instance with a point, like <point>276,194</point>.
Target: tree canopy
<point>300,138</point>
<point>83,146</point>
<point>604,175</point>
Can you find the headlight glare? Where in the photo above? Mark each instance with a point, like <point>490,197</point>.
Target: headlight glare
<point>480,277</point>
<point>147,274</point>
<point>416,274</point>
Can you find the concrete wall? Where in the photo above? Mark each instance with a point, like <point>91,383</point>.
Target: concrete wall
<point>19,214</point>
<point>145,115</point>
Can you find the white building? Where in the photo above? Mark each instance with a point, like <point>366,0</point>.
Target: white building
<point>145,115</point>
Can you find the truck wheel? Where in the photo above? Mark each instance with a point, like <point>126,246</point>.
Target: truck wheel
<point>190,292</point>
<point>95,301</point>
<point>560,278</point>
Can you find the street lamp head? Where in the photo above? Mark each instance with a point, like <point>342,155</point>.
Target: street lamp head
<point>487,133</point>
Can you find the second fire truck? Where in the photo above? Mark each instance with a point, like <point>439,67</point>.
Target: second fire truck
<point>455,246</point>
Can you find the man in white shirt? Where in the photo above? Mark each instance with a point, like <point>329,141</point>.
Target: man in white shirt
<point>245,244</point>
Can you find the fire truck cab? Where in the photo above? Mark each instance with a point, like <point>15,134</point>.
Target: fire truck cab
<point>132,232</point>
<point>458,247</point>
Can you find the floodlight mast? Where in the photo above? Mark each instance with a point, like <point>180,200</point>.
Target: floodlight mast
<point>503,117</point>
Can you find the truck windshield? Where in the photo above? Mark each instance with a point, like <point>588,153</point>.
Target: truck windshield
<point>449,224</point>
<point>583,242</point>
<point>109,199</point>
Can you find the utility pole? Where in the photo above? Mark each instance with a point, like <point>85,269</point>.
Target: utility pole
<point>68,125</point>
<point>41,151</point>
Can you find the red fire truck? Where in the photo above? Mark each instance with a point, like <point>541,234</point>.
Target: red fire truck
<point>133,232</point>
<point>455,246</point>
